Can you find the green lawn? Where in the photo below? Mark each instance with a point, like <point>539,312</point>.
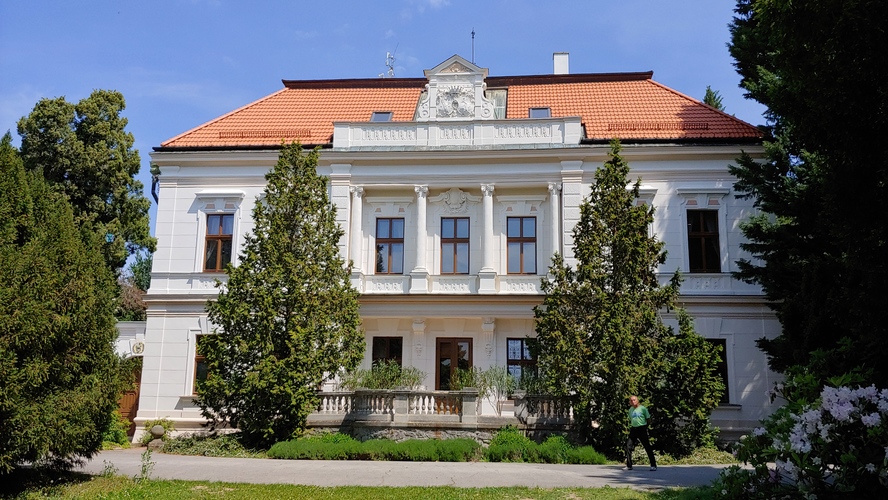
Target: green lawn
<point>101,487</point>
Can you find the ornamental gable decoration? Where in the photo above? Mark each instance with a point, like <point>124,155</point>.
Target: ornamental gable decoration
<point>455,92</point>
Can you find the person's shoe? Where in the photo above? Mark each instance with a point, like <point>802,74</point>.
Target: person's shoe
<point>628,467</point>
<point>654,468</point>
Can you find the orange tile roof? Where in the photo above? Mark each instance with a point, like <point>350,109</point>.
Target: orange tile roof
<point>628,106</point>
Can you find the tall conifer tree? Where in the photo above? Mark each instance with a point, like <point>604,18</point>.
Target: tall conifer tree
<point>59,378</point>
<point>287,319</point>
<point>600,333</point>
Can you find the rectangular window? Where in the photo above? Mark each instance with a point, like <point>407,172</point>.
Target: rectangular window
<point>519,360</point>
<point>200,364</point>
<point>389,246</point>
<point>387,349</point>
<point>455,245</point>
<point>703,245</point>
<point>381,116</point>
<point>722,368</point>
<point>218,243</point>
<point>539,113</point>
<point>521,243</point>
<point>498,96</point>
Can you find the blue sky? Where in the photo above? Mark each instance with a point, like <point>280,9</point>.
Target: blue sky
<point>180,63</point>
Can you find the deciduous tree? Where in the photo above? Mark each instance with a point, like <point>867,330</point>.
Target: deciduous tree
<point>600,333</point>
<point>287,319</point>
<point>59,378</point>
<point>85,151</point>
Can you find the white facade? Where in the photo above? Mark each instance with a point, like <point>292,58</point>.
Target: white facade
<point>439,167</point>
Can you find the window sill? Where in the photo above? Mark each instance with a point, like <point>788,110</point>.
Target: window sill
<point>729,406</point>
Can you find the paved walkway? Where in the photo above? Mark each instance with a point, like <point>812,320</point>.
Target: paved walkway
<point>361,473</point>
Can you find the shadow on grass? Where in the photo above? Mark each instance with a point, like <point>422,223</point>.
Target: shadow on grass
<point>43,482</point>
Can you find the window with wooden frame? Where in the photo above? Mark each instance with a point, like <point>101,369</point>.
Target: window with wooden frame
<point>200,364</point>
<point>387,349</point>
<point>455,245</point>
<point>389,246</point>
<point>521,244</point>
<point>703,244</point>
<point>722,367</point>
<point>519,359</point>
<point>218,242</point>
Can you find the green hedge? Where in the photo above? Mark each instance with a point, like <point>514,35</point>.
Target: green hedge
<point>509,445</point>
<point>341,447</point>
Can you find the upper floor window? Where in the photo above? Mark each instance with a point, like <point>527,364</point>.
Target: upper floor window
<point>455,245</point>
<point>389,246</point>
<point>220,228</point>
<point>521,243</point>
<point>703,244</point>
<point>539,113</point>
<point>381,116</point>
<point>498,96</point>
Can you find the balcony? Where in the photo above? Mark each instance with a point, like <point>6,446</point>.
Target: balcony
<point>530,132</point>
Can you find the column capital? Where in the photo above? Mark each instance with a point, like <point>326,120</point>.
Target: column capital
<point>421,191</point>
<point>357,191</point>
<point>487,189</point>
<point>554,187</point>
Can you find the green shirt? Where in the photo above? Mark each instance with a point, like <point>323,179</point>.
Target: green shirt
<point>638,416</point>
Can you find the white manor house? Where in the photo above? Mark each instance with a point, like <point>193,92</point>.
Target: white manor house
<point>455,190</point>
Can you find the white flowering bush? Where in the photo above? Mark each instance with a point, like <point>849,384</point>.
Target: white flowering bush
<point>833,446</point>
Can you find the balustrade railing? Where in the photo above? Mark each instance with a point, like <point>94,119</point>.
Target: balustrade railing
<point>399,405</point>
<point>406,406</point>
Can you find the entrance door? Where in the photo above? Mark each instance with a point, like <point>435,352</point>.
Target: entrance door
<point>452,353</point>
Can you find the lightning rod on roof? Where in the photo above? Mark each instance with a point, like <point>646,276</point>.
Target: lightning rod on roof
<point>473,45</point>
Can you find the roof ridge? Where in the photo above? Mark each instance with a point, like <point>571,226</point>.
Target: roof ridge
<point>697,101</point>
<point>226,115</point>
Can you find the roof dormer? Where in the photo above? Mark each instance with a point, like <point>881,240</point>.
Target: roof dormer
<point>455,92</point>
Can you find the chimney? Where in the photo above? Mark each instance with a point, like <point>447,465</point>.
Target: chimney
<point>562,67</point>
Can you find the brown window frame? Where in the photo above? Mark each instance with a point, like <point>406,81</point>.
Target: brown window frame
<point>522,241</point>
<point>526,361</point>
<point>453,356</point>
<point>704,241</point>
<point>220,238</point>
<point>389,241</point>
<point>722,368</point>
<point>387,341</point>
<point>456,241</point>
<point>199,359</point>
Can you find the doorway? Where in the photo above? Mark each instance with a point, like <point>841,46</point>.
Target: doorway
<point>452,353</point>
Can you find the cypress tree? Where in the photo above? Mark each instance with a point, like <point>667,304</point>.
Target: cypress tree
<point>600,334</point>
<point>59,378</point>
<point>287,319</point>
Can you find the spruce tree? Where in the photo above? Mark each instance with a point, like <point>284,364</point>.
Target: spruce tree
<point>600,335</point>
<point>59,378</point>
<point>820,243</point>
<point>287,319</point>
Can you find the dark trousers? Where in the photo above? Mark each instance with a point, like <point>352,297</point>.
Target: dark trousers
<point>639,435</point>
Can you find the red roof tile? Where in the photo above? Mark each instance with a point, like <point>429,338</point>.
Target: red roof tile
<point>628,106</point>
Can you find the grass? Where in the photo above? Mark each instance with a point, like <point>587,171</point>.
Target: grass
<point>73,485</point>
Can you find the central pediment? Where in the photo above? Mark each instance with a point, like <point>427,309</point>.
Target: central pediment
<point>455,92</point>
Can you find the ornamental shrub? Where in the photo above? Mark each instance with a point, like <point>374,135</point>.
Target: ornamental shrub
<point>834,446</point>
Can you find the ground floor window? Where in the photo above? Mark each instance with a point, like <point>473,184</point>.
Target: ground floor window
<point>519,358</point>
<point>200,364</point>
<point>722,368</point>
<point>387,349</point>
